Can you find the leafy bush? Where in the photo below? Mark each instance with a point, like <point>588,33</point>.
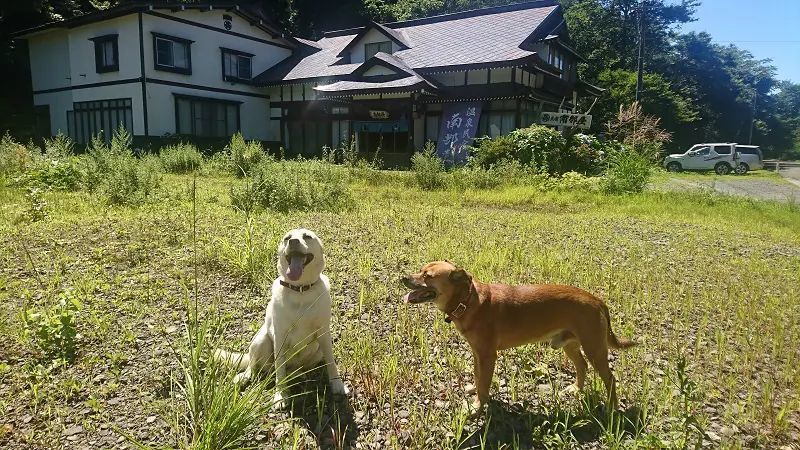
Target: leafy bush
<point>53,330</point>
<point>428,169</point>
<point>540,147</point>
<point>59,147</point>
<point>132,181</point>
<point>585,154</point>
<point>628,172</point>
<point>116,173</point>
<point>245,156</point>
<point>489,152</point>
<point>15,158</point>
<point>63,173</point>
<point>180,158</point>
<point>504,172</point>
<point>284,186</point>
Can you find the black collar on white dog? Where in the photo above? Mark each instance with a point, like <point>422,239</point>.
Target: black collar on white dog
<point>301,288</point>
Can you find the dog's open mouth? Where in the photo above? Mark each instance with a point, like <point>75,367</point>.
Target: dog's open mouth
<point>419,293</point>
<point>297,262</point>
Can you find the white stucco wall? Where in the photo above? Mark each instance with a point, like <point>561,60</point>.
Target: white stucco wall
<point>50,61</point>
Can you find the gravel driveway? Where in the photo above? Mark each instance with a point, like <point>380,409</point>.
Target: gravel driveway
<point>786,190</point>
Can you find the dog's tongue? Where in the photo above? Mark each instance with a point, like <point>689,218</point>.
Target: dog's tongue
<point>296,266</point>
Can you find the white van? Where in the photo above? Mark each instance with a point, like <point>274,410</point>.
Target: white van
<point>722,158</point>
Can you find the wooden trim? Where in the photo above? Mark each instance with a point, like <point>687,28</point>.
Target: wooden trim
<point>142,76</point>
<point>154,81</point>
<point>218,30</point>
<point>88,85</point>
<point>207,88</point>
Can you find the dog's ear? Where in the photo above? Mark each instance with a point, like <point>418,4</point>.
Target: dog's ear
<point>459,276</point>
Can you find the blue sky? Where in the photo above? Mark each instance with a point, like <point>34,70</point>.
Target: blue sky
<point>767,28</point>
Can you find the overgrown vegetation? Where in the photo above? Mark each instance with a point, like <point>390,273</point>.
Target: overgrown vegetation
<point>180,158</point>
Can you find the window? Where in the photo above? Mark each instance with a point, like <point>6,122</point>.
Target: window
<point>106,53</point>
<point>340,110</point>
<point>722,149</point>
<point>236,65</point>
<point>172,54</point>
<point>375,47</point>
<point>206,117</point>
<point>100,117</point>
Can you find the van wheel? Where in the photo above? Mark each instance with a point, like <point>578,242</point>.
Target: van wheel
<point>674,167</point>
<point>742,169</point>
<point>722,168</point>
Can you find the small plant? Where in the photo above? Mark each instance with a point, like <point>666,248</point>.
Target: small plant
<point>180,158</point>
<point>688,398</point>
<point>54,330</point>
<point>36,210</point>
<point>428,168</point>
<point>59,147</point>
<point>245,155</point>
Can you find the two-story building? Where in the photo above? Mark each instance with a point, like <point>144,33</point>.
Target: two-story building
<point>210,70</point>
<point>156,69</point>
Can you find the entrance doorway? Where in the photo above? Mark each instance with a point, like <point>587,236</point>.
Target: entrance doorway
<point>390,136</point>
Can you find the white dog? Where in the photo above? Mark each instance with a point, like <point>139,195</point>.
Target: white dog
<point>296,332</point>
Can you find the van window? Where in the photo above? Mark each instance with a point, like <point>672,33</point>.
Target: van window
<point>722,149</point>
<point>748,150</point>
<point>704,151</point>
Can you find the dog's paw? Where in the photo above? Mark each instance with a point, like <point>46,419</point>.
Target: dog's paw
<point>338,387</point>
<point>278,401</point>
<point>470,389</point>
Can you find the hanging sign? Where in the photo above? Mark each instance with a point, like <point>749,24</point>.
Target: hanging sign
<point>566,120</point>
<point>379,114</point>
<point>457,130</point>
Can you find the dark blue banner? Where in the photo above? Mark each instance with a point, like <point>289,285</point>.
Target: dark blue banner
<point>457,131</point>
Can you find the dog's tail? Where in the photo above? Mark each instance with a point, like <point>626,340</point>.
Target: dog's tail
<point>238,360</point>
<point>612,339</point>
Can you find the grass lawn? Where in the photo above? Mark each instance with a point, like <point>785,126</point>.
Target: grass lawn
<point>707,284</point>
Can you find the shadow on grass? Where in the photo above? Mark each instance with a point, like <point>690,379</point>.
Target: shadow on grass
<point>532,426</point>
<point>328,417</point>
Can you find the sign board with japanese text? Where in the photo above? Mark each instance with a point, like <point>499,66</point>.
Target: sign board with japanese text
<point>457,131</point>
<point>375,114</point>
<point>566,120</point>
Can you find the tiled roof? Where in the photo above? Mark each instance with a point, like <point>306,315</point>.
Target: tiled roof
<point>410,83</point>
<point>486,36</point>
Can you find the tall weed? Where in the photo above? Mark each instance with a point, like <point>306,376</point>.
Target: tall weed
<point>628,172</point>
<point>285,186</point>
<point>180,158</point>
<point>245,155</point>
<point>428,168</point>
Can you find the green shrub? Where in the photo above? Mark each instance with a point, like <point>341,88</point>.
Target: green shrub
<point>489,152</point>
<point>63,173</point>
<point>504,172</point>
<point>585,154</point>
<point>118,175</point>
<point>285,186</point>
<point>245,156</point>
<point>59,147</point>
<point>627,172</point>
<point>131,181</point>
<point>53,330</point>
<point>15,158</point>
<point>180,158</point>
<point>541,147</point>
<point>428,169</point>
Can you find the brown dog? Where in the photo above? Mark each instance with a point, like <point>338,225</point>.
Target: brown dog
<point>495,317</point>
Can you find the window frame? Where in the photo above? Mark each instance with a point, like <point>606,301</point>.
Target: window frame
<point>174,40</point>
<point>193,99</point>
<point>238,54</point>
<point>379,44</point>
<point>99,43</point>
